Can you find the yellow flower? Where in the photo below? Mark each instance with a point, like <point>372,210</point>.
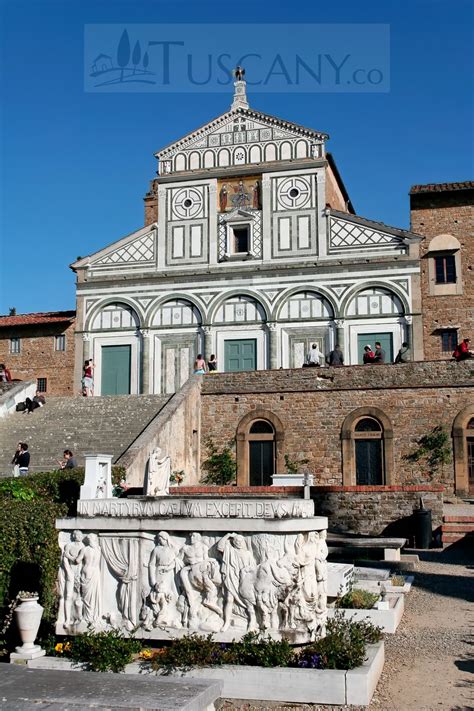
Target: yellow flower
<point>67,647</point>
<point>59,647</point>
<point>146,654</point>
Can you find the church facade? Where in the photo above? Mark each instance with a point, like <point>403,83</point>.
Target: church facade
<point>251,251</point>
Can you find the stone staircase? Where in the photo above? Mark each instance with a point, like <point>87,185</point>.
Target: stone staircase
<point>458,522</point>
<point>106,425</point>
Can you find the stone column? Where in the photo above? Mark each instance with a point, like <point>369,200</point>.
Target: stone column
<point>408,330</point>
<point>207,342</point>
<point>86,346</point>
<point>145,362</point>
<point>340,332</point>
<point>273,344</point>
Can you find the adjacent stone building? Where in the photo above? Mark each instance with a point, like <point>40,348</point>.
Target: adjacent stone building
<point>40,346</point>
<point>250,251</point>
<point>443,213</point>
<point>353,426</point>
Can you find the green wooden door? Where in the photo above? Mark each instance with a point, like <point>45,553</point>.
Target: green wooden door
<point>240,355</point>
<point>386,340</point>
<point>116,370</point>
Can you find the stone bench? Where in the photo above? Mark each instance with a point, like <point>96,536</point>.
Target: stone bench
<point>51,689</point>
<point>391,546</point>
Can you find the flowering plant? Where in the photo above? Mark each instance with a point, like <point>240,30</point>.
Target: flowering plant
<point>120,489</point>
<point>63,648</point>
<point>177,477</point>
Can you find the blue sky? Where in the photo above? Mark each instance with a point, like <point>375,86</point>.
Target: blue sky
<point>76,164</point>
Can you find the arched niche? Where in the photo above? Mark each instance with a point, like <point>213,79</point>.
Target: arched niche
<point>366,424</point>
<point>246,433</point>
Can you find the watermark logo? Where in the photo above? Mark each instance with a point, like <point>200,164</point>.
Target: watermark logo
<point>201,58</point>
<point>125,66</point>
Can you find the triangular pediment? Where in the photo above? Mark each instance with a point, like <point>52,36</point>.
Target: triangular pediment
<point>135,249</point>
<point>237,215</point>
<point>239,126</point>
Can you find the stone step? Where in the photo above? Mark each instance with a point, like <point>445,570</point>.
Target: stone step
<point>457,527</point>
<point>106,425</point>
<point>458,519</point>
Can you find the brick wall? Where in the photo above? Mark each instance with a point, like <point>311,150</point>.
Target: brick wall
<point>37,358</point>
<point>151,203</point>
<point>432,214</point>
<point>312,405</point>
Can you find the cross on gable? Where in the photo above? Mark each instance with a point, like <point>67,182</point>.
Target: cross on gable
<point>240,124</point>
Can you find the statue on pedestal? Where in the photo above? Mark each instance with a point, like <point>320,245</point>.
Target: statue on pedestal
<point>159,470</point>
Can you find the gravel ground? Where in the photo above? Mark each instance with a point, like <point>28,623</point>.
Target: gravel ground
<point>429,662</point>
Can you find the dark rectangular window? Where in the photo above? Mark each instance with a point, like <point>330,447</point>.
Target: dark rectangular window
<point>15,345</point>
<point>42,384</point>
<point>60,342</point>
<point>445,269</point>
<point>241,239</point>
<point>449,341</point>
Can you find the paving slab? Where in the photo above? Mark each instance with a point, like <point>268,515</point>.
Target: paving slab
<point>23,688</point>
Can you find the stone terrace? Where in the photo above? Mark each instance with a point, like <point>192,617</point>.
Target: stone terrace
<point>421,374</point>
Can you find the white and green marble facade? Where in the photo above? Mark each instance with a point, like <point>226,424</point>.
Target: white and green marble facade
<point>175,288</point>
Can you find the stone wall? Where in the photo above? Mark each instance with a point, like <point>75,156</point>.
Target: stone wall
<point>375,511</point>
<point>312,405</point>
<point>432,214</point>
<point>38,358</point>
<point>176,431</point>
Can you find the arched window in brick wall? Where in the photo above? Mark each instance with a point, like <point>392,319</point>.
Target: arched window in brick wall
<point>259,437</point>
<point>367,448</point>
<point>463,447</point>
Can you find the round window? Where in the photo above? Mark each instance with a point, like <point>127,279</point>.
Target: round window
<point>187,203</point>
<point>294,192</point>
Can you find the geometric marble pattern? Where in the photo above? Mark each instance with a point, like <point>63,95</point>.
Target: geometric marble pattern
<point>348,234</point>
<point>140,250</point>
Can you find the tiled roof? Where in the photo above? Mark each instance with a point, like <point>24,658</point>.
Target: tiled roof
<point>36,319</point>
<point>441,187</point>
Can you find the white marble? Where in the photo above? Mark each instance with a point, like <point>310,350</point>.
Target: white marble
<point>170,576</point>
<point>97,477</point>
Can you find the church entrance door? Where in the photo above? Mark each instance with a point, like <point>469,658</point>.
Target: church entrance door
<point>240,355</point>
<point>116,370</point>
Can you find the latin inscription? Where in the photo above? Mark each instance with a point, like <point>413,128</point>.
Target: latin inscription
<point>169,508</point>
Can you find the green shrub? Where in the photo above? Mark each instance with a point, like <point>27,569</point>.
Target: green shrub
<point>220,465</point>
<point>29,550</point>
<point>103,651</point>
<point>344,646</point>
<point>357,600</point>
<point>196,651</point>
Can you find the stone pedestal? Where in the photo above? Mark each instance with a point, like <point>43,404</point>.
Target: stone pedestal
<point>165,567</point>
<point>97,477</point>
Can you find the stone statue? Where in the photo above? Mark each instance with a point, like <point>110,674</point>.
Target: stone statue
<point>89,579</point>
<point>236,561</point>
<point>69,585</point>
<point>200,578</point>
<point>239,73</point>
<point>161,571</point>
<point>159,471</point>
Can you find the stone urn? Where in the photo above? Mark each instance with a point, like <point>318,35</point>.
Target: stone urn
<point>28,616</point>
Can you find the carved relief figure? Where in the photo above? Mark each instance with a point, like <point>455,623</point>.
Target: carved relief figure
<point>161,570</point>
<point>236,561</point>
<point>89,580</point>
<point>159,470</point>
<point>69,585</point>
<point>200,578</point>
<point>223,195</point>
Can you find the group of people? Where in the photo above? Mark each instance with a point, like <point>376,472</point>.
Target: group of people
<point>315,358</point>
<point>21,460</point>
<point>201,367</point>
